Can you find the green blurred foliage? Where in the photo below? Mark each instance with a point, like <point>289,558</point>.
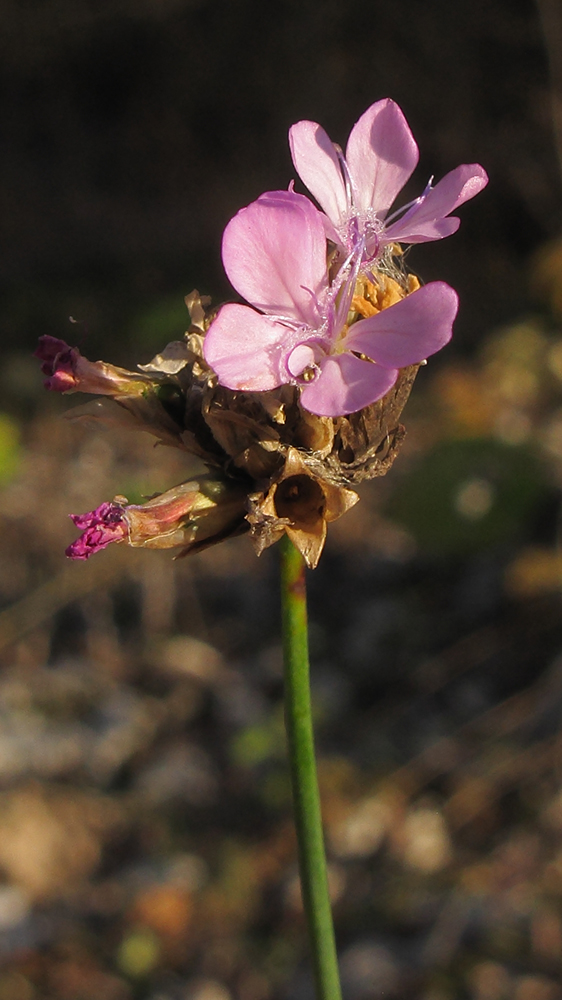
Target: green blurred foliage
<point>10,448</point>
<point>260,743</point>
<point>164,320</point>
<point>467,495</point>
<point>138,953</point>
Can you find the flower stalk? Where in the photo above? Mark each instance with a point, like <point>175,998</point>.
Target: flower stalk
<point>304,779</point>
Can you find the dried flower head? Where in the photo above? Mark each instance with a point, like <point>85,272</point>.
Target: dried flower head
<point>274,467</point>
<point>294,399</point>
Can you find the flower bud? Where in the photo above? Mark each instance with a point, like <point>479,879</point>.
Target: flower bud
<point>68,371</point>
<point>194,514</point>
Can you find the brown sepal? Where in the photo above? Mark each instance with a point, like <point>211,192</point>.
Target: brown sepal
<point>299,503</point>
<point>241,424</point>
<point>366,443</point>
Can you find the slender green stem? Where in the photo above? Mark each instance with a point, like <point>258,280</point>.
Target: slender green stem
<point>306,797</point>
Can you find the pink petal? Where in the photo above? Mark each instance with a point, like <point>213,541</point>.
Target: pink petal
<point>346,384</point>
<point>381,155</point>
<point>426,220</point>
<point>303,356</point>
<point>274,252</point>
<point>99,527</point>
<point>330,230</point>
<point>247,350</point>
<point>410,331</point>
<point>317,165</point>
<point>422,232</point>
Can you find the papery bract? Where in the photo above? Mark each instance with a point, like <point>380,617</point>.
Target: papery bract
<point>274,253</point>
<point>357,192</point>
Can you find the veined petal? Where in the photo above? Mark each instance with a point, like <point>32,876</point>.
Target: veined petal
<point>317,165</point>
<point>409,331</point>
<point>247,350</point>
<point>381,155</point>
<point>346,384</point>
<point>423,221</point>
<point>421,232</point>
<point>274,252</point>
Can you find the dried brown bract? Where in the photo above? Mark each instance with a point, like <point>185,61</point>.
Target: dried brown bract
<point>273,466</point>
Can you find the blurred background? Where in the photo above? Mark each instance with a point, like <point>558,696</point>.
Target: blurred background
<point>146,842</point>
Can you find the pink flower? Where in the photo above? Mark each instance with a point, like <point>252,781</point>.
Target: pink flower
<point>357,192</point>
<point>274,252</point>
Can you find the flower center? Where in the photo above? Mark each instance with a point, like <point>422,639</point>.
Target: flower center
<point>363,234</point>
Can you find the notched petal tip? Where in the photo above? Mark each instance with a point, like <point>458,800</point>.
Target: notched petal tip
<point>381,155</point>
<point>429,218</point>
<point>316,161</point>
